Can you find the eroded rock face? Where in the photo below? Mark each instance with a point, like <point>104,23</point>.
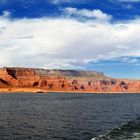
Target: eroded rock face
<point>60,80</point>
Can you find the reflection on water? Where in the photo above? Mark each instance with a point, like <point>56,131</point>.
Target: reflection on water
<point>66,116</point>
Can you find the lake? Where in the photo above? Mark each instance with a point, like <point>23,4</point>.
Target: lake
<point>61,116</point>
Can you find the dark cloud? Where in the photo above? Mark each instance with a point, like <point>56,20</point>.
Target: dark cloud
<point>25,37</point>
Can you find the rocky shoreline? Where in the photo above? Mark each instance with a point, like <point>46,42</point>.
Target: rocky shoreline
<point>32,90</point>
<point>17,90</point>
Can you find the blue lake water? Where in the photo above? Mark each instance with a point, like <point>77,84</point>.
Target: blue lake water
<point>60,116</point>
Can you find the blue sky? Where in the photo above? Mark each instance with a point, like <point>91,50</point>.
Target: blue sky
<point>100,35</point>
<point>119,9</point>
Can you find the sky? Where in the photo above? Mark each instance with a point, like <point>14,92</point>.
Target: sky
<point>100,35</point>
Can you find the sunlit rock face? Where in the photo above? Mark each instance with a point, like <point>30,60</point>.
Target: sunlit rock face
<point>64,80</point>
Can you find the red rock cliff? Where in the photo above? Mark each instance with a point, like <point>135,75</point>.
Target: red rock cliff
<point>64,80</point>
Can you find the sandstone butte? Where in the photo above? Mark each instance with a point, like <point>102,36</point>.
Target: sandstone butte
<point>42,80</point>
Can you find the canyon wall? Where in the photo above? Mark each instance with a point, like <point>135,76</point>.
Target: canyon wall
<point>64,80</point>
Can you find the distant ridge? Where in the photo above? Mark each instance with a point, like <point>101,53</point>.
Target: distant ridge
<point>80,73</point>
<point>60,72</point>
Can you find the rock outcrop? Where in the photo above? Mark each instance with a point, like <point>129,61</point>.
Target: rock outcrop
<point>14,79</point>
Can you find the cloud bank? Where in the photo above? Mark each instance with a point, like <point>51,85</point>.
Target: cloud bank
<point>66,42</point>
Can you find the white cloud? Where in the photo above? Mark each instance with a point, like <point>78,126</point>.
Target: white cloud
<point>68,1</point>
<point>65,42</point>
<point>59,1</point>
<point>97,14</point>
<point>6,14</point>
<point>130,60</point>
